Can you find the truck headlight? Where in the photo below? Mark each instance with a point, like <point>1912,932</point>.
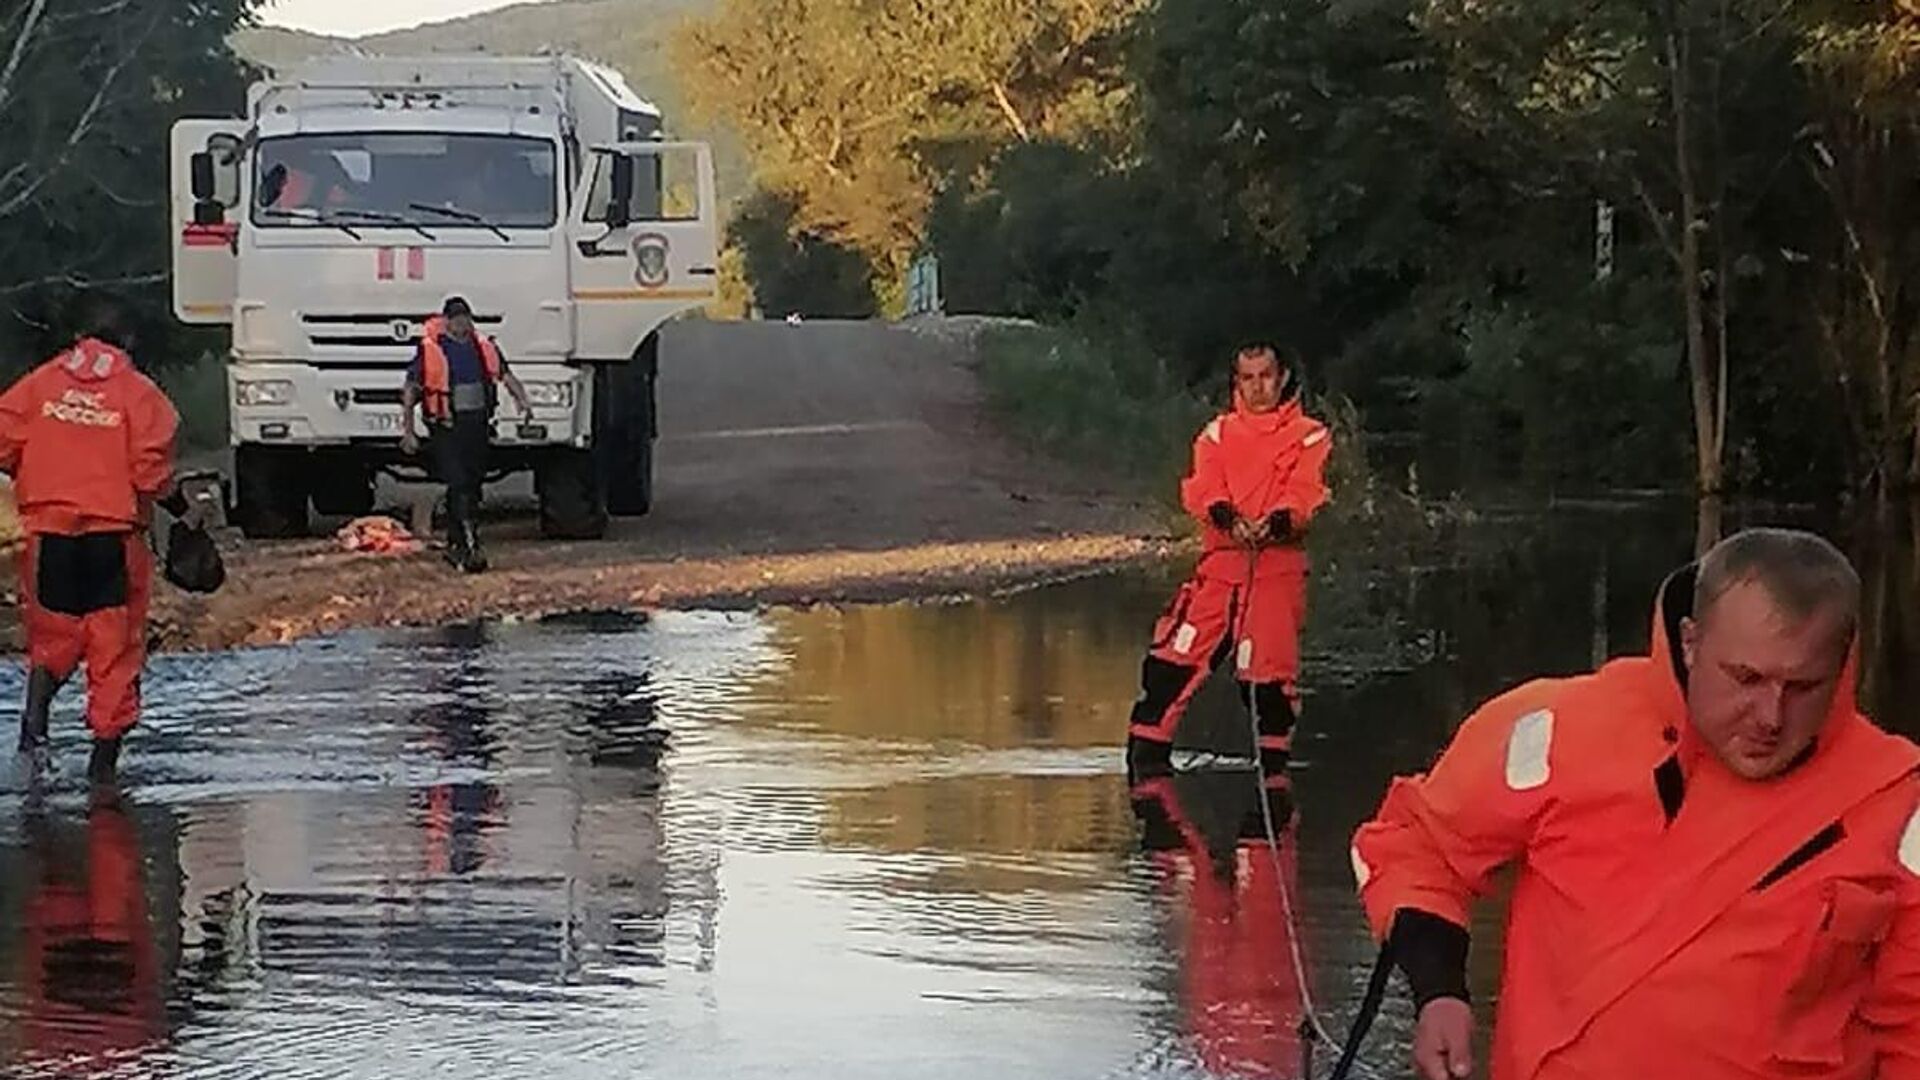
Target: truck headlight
<point>550,395</point>
<point>263,392</point>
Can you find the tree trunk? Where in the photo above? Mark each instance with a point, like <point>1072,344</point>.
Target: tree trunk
<point>1708,524</point>
<point>1704,367</point>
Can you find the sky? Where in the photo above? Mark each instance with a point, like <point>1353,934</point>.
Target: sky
<point>352,18</point>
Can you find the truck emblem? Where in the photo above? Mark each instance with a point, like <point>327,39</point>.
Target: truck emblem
<point>402,330</point>
<point>650,259</point>
<point>342,399</point>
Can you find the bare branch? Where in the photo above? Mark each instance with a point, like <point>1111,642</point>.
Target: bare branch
<point>81,128</point>
<point>81,281</point>
<point>19,52</point>
<point>1662,231</point>
<point>1006,109</point>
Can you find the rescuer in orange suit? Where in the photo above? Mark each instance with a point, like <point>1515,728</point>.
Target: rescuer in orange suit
<point>1257,480</point>
<point>1240,999</point>
<point>88,441</point>
<point>91,971</point>
<point>1716,857</point>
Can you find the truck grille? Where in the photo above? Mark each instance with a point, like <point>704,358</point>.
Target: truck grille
<point>373,330</point>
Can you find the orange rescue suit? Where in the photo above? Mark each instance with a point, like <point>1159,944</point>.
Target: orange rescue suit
<point>1755,929</point>
<point>1239,606</point>
<point>436,381</point>
<point>88,441</point>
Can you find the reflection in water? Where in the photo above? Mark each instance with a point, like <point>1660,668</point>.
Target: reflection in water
<point>1240,1002</point>
<point>89,970</point>
<point>827,843</point>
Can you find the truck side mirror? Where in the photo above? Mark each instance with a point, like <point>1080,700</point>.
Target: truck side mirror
<point>202,167</point>
<point>620,209</point>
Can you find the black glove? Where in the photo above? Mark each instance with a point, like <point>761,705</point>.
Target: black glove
<point>175,503</point>
<point>1222,514</point>
<point>1433,953</point>
<point>1280,525</point>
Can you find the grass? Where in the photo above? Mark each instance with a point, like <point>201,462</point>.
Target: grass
<point>1116,411</point>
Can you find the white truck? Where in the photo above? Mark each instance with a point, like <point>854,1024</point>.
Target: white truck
<point>360,192</point>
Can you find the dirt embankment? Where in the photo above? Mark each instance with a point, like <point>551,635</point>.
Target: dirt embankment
<point>820,462</point>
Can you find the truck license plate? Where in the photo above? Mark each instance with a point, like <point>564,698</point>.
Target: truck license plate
<point>384,423</point>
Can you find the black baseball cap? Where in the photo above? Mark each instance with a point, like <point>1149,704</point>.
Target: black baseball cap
<point>456,305</point>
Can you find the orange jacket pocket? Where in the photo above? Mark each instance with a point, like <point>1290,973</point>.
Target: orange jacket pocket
<point>1830,971</point>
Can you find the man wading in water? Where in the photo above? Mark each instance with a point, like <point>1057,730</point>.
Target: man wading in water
<point>1257,480</point>
<point>455,379</point>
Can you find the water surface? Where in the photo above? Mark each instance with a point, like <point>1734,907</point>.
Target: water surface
<point>838,843</point>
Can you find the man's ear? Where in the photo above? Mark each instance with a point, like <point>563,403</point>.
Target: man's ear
<point>1689,640</point>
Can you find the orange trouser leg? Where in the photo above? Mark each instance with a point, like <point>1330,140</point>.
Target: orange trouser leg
<point>55,642</point>
<point>116,649</point>
<point>1190,640</point>
<point>1267,654</point>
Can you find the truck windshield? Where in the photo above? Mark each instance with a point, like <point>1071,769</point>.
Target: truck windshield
<point>485,181</point>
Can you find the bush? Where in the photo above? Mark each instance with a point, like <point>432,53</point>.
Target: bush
<point>1111,408</point>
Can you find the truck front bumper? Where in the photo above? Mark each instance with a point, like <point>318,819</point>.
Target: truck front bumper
<point>297,404</point>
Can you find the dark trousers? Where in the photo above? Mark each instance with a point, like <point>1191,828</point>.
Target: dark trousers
<point>460,457</point>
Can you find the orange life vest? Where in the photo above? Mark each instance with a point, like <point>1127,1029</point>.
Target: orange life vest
<point>436,380</point>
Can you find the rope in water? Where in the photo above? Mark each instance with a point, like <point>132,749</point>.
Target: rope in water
<point>1313,1027</point>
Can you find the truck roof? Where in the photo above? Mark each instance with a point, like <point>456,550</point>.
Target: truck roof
<point>480,76</point>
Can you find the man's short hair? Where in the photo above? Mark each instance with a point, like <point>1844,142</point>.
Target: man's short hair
<point>1802,572</point>
<point>1256,348</point>
<point>456,305</point>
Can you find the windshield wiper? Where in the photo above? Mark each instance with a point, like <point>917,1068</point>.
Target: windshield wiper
<point>386,218</point>
<point>304,214</point>
<point>459,214</point>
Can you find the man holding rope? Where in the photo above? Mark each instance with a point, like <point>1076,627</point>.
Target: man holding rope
<point>1258,479</point>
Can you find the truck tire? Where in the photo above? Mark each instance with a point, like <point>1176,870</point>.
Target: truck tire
<point>342,487</point>
<point>271,492</point>
<point>572,505</point>
<point>624,429</point>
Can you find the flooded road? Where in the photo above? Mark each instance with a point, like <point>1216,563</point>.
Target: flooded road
<point>869,842</point>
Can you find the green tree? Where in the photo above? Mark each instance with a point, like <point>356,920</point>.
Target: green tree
<point>792,270</point>
<point>1861,254</point>
<point>88,93</point>
<point>859,110</point>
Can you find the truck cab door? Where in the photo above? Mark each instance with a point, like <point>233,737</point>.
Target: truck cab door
<point>208,183</point>
<point>644,243</point>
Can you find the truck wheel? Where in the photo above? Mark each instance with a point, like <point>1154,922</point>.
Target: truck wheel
<point>271,492</point>
<point>342,488</point>
<point>624,429</point>
<point>572,506</point>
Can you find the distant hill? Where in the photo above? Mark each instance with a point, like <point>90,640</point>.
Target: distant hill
<point>630,35</point>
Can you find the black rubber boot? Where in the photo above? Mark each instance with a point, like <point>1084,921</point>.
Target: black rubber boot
<point>41,687</point>
<point>456,531</point>
<point>104,766</point>
<point>476,561</point>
